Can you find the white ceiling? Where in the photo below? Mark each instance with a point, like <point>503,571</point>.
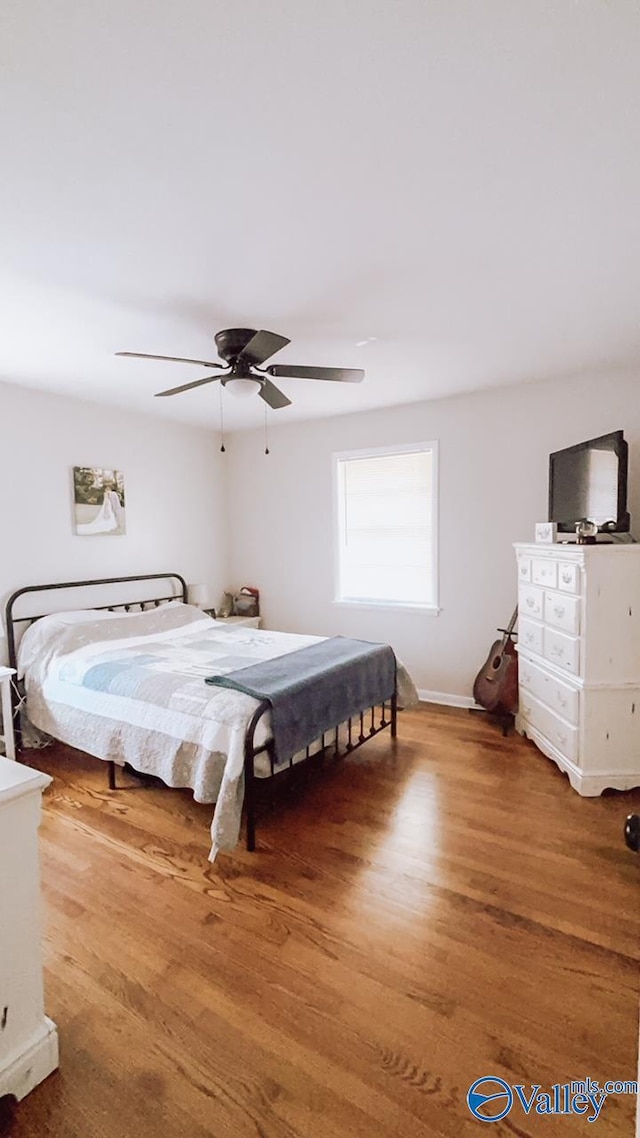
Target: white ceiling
<point>455,182</point>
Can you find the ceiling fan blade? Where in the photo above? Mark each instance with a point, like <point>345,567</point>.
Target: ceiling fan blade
<point>173,359</point>
<point>188,386</point>
<point>261,346</point>
<point>342,374</point>
<point>271,395</point>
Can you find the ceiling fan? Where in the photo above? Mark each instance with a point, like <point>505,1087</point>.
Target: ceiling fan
<point>243,350</point>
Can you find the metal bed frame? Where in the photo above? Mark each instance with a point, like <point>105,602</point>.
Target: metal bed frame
<point>359,728</point>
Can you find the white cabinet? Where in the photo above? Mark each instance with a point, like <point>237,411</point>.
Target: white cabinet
<point>579,660</point>
<point>28,1039</point>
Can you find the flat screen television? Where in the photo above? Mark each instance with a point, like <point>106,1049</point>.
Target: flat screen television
<point>588,482</point>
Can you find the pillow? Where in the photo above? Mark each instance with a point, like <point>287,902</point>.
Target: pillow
<point>78,616</point>
<point>40,634</point>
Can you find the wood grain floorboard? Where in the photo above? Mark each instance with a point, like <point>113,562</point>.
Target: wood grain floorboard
<point>416,917</point>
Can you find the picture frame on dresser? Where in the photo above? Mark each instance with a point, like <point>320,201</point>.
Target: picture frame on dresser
<point>579,660</point>
<point>546,532</point>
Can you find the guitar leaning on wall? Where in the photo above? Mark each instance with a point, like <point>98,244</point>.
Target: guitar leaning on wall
<point>496,685</point>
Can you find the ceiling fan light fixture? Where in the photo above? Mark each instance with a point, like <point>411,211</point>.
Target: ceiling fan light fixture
<point>243,349</point>
<point>242,385</point>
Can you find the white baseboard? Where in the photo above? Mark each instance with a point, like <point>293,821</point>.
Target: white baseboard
<point>446,698</point>
<point>33,1065</point>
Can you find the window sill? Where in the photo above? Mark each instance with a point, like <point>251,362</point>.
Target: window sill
<point>393,606</point>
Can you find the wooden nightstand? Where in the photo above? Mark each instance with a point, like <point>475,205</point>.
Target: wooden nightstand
<point>7,718</point>
<point>240,621</point>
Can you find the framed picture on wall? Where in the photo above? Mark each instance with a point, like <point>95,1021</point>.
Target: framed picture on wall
<point>98,501</point>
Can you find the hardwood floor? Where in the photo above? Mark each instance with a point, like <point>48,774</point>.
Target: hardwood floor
<point>416,919</point>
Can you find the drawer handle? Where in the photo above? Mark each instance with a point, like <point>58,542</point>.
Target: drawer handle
<point>523,570</point>
<point>529,637</point>
<point>526,677</point>
<point>531,602</point>
<point>562,700</point>
<point>559,610</point>
<point>557,650</point>
<point>562,738</point>
<point>566,577</point>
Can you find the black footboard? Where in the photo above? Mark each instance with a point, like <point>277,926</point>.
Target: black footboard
<point>359,729</point>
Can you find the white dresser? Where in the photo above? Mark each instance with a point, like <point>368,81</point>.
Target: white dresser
<point>28,1039</point>
<point>579,660</point>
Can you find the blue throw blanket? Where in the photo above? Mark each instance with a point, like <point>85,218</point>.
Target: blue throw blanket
<point>316,688</point>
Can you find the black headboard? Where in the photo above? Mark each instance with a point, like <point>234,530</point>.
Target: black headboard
<point>178,592</point>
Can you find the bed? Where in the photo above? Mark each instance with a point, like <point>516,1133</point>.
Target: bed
<point>117,667</point>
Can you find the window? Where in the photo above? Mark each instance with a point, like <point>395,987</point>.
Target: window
<point>386,509</point>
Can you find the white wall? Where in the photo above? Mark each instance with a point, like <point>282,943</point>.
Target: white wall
<point>174,485</point>
<point>494,449</point>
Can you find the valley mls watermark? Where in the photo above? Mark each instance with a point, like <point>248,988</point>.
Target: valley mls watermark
<point>490,1098</point>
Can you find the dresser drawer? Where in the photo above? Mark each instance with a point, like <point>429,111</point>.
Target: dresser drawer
<point>562,612</point>
<point>524,568</point>
<point>563,736</point>
<point>568,577</point>
<point>544,571</point>
<point>561,650</point>
<point>557,696</point>
<point>530,601</point>
<point>530,635</point>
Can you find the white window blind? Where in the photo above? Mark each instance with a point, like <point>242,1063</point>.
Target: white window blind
<point>386,526</point>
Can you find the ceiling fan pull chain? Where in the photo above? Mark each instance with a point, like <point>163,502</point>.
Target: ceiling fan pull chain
<point>266,431</point>
<point>222,446</point>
